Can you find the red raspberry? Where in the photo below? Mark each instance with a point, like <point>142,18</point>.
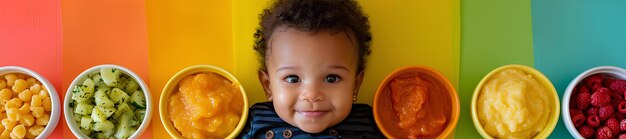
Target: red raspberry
<point>600,98</point>
<point>591,111</point>
<point>616,85</point>
<point>621,108</point>
<point>615,98</point>
<point>604,133</point>
<point>622,136</point>
<point>578,120</point>
<point>622,125</point>
<point>582,100</point>
<point>594,81</point>
<point>596,88</point>
<point>583,89</point>
<point>605,112</point>
<point>586,131</point>
<point>575,111</point>
<point>593,121</point>
<point>613,124</point>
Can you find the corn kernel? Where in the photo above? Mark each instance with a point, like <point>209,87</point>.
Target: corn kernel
<point>6,94</point>
<point>31,81</point>
<point>25,95</point>
<point>35,88</point>
<point>47,104</point>
<point>14,103</point>
<point>8,124</point>
<point>19,131</point>
<point>10,79</point>
<point>36,130</point>
<point>20,85</point>
<point>43,93</point>
<point>25,109</point>
<point>43,120</point>
<point>27,119</point>
<point>37,111</point>
<point>13,114</point>
<point>36,101</point>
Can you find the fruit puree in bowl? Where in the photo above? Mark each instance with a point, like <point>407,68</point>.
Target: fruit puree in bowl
<point>416,102</point>
<point>515,101</point>
<point>512,104</point>
<point>408,100</point>
<point>205,103</point>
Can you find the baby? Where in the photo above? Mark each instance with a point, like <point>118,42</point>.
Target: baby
<point>313,56</point>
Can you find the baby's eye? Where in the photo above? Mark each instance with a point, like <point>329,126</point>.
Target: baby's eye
<point>332,78</point>
<point>292,79</point>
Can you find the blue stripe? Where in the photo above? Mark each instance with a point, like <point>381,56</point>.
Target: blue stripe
<point>263,117</point>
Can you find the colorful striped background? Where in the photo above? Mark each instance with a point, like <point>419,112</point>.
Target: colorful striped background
<point>463,39</point>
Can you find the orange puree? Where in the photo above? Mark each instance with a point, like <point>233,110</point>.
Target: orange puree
<point>421,105</point>
<point>206,105</point>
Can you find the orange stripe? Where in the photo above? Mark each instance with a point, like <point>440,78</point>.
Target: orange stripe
<point>185,33</point>
<point>104,32</point>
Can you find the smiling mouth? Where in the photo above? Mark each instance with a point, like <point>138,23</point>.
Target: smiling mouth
<point>312,114</point>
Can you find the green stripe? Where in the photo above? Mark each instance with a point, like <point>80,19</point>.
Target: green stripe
<point>493,34</point>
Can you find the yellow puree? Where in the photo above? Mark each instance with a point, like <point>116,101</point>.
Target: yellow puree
<point>205,105</point>
<point>513,104</point>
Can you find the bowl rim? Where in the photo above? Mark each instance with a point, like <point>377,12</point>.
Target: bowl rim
<point>454,97</point>
<point>570,88</point>
<point>54,97</point>
<point>81,77</point>
<point>554,117</point>
<point>175,79</point>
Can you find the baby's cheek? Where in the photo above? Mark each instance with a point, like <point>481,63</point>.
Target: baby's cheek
<point>342,104</point>
<point>283,107</point>
<point>342,111</point>
<point>284,99</point>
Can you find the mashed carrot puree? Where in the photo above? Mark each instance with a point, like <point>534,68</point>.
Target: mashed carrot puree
<point>421,105</point>
<point>512,104</point>
<point>206,105</point>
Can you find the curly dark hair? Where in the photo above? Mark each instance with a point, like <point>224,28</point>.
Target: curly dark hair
<point>313,16</point>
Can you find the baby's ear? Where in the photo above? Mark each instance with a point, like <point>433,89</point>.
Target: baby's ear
<point>264,78</point>
<point>358,80</point>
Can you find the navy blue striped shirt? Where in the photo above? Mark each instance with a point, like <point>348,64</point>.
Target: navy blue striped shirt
<point>263,122</point>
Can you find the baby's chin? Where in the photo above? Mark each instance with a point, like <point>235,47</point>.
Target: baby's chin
<point>313,125</point>
<point>312,128</point>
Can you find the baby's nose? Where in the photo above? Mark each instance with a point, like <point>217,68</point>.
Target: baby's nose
<point>311,92</point>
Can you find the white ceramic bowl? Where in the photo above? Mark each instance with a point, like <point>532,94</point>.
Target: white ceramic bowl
<point>56,104</point>
<point>606,70</point>
<point>69,112</point>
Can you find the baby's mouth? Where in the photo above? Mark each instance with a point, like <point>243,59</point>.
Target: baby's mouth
<point>312,113</point>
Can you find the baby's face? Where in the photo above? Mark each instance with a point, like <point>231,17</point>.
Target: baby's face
<point>311,77</point>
